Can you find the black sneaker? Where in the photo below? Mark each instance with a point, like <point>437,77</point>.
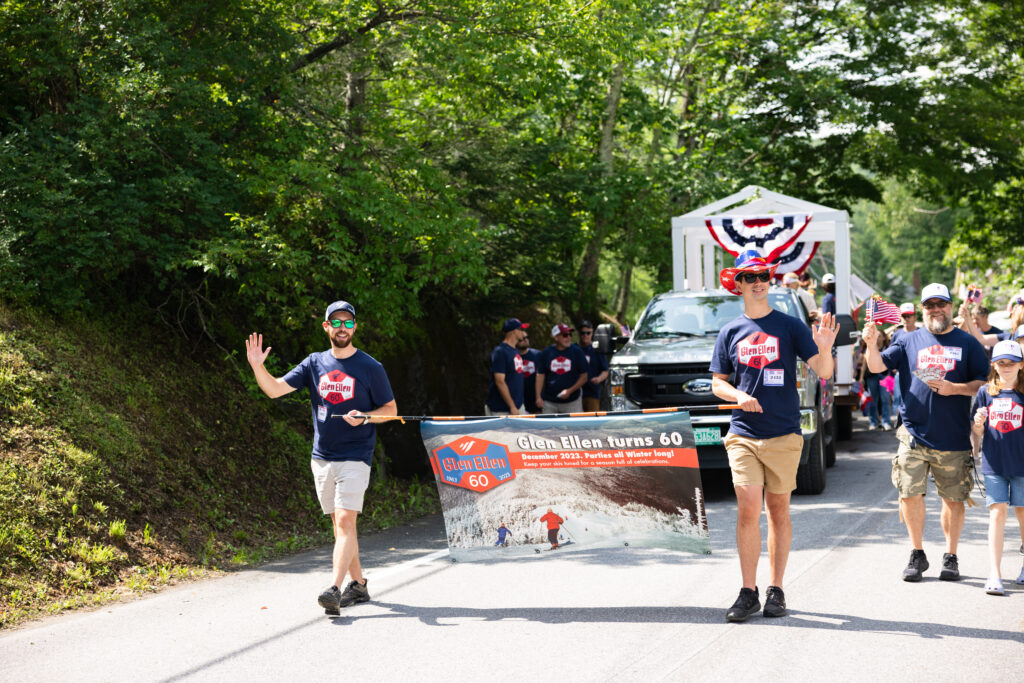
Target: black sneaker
<point>917,566</point>
<point>746,604</point>
<point>355,592</point>
<point>950,568</point>
<point>774,602</point>
<point>330,600</point>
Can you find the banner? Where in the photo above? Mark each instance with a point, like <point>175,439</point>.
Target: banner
<point>521,487</point>
<point>771,235</point>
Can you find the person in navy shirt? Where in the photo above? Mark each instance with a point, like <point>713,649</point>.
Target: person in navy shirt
<point>940,369</point>
<point>999,425</point>
<point>764,443</point>
<point>828,302</point>
<point>561,371</point>
<point>505,392</point>
<point>347,389</point>
<point>597,368</point>
<point>530,357</point>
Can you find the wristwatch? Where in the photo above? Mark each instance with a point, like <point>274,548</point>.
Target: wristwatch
<point>366,418</point>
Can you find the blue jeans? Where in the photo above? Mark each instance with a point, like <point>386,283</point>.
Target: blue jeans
<point>880,399</point>
<point>897,397</point>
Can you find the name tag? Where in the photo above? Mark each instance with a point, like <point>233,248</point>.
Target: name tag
<point>953,352</point>
<point>774,378</point>
<point>321,413</point>
<point>1002,405</point>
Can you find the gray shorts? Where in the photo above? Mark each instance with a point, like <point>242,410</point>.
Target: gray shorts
<point>552,408</point>
<point>497,413</point>
<point>340,485</point>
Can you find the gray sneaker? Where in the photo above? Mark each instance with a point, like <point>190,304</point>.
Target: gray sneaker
<point>774,602</point>
<point>950,568</point>
<point>916,567</point>
<point>330,600</point>
<point>355,592</point>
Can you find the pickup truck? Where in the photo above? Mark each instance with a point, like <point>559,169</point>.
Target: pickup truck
<point>666,363</point>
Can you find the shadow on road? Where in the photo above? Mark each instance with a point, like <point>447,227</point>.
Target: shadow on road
<point>432,616</point>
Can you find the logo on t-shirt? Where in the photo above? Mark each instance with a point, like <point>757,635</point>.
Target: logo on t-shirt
<point>529,368</point>
<point>758,350</point>
<point>336,386</point>
<point>1005,415</point>
<point>561,365</point>
<point>518,363</point>
<point>938,356</point>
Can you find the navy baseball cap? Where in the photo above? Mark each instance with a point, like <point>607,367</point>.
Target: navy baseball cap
<point>514,324</point>
<point>340,306</point>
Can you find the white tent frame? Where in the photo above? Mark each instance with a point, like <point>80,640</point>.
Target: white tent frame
<point>693,247</point>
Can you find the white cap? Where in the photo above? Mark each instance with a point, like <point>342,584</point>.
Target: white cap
<point>907,308</point>
<point>828,278</point>
<point>935,290</point>
<point>1007,350</point>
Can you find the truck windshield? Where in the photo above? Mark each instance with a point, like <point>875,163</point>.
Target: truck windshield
<point>692,316</point>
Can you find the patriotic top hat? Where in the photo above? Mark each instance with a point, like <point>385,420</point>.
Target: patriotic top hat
<point>749,261</point>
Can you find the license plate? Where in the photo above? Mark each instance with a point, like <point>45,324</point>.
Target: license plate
<point>707,436</point>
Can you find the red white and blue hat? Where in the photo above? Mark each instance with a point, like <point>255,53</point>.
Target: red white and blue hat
<point>1007,350</point>
<point>749,261</point>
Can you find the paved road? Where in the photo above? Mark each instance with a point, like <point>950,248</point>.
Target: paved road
<point>587,616</point>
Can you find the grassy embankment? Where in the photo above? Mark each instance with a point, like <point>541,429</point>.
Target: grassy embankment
<point>126,466</point>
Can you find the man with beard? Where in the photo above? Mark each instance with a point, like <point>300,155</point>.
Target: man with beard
<point>940,369</point>
<point>348,384</point>
<point>505,392</point>
<point>529,356</point>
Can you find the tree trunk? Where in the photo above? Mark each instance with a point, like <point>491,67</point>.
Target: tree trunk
<point>586,297</point>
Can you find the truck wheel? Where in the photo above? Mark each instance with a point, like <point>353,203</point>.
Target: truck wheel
<point>844,428</point>
<point>810,478</point>
<point>831,436</point>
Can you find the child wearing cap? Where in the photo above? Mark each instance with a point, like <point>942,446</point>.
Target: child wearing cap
<point>998,418</point>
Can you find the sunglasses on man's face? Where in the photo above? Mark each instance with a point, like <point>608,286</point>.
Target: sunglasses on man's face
<point>763,276</point>
<point>349,324</point>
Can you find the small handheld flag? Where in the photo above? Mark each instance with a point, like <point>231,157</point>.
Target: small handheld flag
<point>881,311</point>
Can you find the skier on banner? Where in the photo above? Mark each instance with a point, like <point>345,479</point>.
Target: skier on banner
<point>554,522</point>
<point>503,536</point>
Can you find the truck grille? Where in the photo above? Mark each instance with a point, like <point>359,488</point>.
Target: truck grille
<point>684,384</point>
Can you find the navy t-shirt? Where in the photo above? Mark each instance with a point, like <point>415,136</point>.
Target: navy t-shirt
<point>762,352</point>
<point>1002,448</point>
<point>596,364</point>
<point>530,377</point>
<point>505,360</point>
<point>939,422</point>
<point>561,369</point>
<point>828,303</point>
<point>336,386</point>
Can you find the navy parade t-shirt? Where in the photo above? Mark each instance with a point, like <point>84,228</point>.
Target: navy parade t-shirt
<point>336,386</point>
<point>762,352</point>
<point>1002,448</point>
<point>939,422</point>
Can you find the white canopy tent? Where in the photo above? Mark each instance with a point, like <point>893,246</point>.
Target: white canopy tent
<point>693,247</point>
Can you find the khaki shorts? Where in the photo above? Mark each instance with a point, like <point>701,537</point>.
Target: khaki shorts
<point>340,485</point>
<point>552,408</point>
<point>498,413</point>
<point>771,463</point>
<point>950,469</point>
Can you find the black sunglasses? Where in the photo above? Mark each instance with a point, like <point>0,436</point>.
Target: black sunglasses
<point>763,276</point>
<point>349,324</point>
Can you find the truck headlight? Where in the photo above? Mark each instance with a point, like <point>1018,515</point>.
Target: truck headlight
<point>617,375</point>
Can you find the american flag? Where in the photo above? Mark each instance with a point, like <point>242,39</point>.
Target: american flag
<point>881,311</point>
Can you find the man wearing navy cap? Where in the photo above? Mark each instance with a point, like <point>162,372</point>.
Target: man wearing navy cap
<point>940,369</point>
<point>347,388</point>
<point>505,392</point>
<point>765,440</point>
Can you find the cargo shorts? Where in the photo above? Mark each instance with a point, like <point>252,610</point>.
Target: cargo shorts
<point>950,469</point>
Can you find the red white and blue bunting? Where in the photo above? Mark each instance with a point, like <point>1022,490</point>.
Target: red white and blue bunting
<point>772,235</point>
<point>796,258</point>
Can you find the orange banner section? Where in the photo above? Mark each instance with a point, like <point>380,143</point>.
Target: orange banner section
<point>652,456</point>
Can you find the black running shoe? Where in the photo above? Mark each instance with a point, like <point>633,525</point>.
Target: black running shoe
<point>330,600</point>
<point>774,602</point>
<point>746,604</point>
<point>950,568</point>
<point>355,592</point>
<point>917,566</point>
